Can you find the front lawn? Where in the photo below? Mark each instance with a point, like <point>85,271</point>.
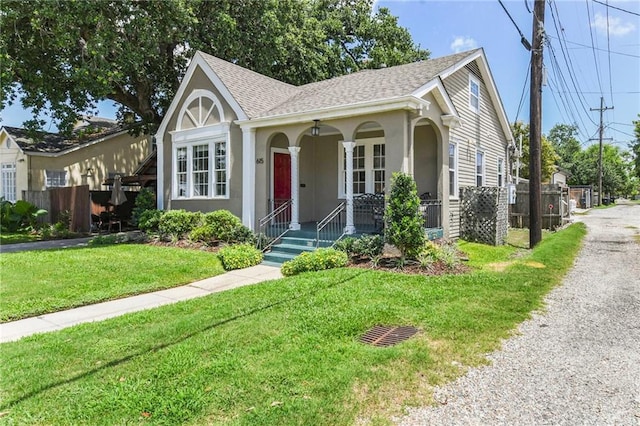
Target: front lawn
<point>17,237</point>
<point>43,281</point>
<point>283,352</point>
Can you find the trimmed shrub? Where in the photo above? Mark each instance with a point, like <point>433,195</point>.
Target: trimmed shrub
<point>321,259</point>
<point>405,225</point>
<point>145,201</point>
<point>149,220</point>
<point>370,246</point>
<point>178,223</point>
<point>202,233</point>
<point>345,245</point>
<point>224,224</point>
<point>239,256</point>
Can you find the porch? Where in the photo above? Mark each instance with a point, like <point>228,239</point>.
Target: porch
<point>284,243</point>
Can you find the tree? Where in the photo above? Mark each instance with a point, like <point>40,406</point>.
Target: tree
<point>404,223</point>
<point>65,56</point>
<point>635,148</point>
<point>549,156</point>
<point>563,138</point>
<point>615,176</point>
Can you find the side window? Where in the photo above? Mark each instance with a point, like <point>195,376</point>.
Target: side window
<point>480,168</point>
<point>474,94</point>
<point>453,170</point>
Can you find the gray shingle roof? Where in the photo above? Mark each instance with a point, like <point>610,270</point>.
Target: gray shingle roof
<point>253,91</point>
<point>261,96</point>
<point>53,143</point>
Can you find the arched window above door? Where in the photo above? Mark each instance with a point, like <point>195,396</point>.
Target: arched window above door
<point>202,108</point>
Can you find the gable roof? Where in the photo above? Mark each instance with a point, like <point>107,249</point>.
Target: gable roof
<point>261,100</point>
<point>260,96</point>
<point>89,130</point>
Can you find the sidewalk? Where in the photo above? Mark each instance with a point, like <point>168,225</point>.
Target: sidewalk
<point>15,330</point>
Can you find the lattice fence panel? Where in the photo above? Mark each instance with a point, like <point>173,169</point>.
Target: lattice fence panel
<point>484,214</point>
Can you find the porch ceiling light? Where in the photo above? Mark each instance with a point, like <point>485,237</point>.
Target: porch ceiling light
<point>315,130</point>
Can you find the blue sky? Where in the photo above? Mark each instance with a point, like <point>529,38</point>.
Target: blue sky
<point>445,27</point>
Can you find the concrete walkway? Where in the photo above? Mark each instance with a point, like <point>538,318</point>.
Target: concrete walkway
<point>15,330</point>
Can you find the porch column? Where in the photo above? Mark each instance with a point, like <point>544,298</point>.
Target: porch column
<point>295,188</point>
<point>348,150</point>
<point>248,177</point>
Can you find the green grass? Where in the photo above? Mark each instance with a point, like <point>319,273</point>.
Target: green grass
<point>43,281</point>
<point>284,352</point>
<point>17,237</point>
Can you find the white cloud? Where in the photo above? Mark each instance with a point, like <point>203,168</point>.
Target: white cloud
<point>616,26</point>
<point>460,44</point>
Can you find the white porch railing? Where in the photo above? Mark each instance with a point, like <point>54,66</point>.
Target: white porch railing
<point>331,228</point>
<point>274,225</point>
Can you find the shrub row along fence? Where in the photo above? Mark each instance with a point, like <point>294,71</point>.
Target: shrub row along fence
<point>484,214</point>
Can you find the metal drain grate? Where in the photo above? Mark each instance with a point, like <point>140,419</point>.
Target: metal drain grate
<point>381,335</point>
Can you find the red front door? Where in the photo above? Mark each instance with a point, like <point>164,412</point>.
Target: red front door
<point>281,178</point>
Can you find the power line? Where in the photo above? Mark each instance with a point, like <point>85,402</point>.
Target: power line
<point>614,7</point>
<point>609,55</point>
<point>524,87</point>
<point>592,47</point>
<point>523,39</point>
<point>598,49</point>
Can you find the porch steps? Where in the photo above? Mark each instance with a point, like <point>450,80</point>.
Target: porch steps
<point>290,246</point>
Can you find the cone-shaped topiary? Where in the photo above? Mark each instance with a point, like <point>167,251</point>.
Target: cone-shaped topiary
<point>404,223</point>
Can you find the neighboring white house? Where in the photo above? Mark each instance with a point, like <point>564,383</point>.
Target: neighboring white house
<point>238,140</point>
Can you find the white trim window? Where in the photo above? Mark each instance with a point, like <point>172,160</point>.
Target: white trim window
<point>55,178</point>
<point>368,167</point>
<point>480,168</point>
<point>500,172</point>
<point>200,169</point>
<point>474,94</point>
<point>453,170</point>
<point>200,163</point>
<point>8,179</point>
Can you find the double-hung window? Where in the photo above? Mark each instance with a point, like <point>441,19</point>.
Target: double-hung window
<point>474,94</point>
<point>479,168</point>
<point>368,167</point>
<point>56,178</point>
<point>453,170</point>
<point>8,179</point>
<point>500,172</point>
<point>200,168</point>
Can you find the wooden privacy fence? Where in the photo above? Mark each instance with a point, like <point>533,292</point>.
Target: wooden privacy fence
<point>81,203</point>
<point>554,204</point>
<point>484,214</point>
<point>74,199</point>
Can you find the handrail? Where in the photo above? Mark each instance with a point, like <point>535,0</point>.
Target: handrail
<point>274,225</point>
<point>432,213</point>
<point>331,225</point>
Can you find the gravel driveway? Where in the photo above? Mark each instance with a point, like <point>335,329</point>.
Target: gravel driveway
<point>577,363</point>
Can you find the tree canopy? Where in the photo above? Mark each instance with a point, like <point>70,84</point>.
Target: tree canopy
<point>635,147</point>
<point>64,57</point>
<point>563,138</point>
<point>548,154</point>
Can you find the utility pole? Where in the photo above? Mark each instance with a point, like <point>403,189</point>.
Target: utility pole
<point>602,109</point>
<point>535,127</point>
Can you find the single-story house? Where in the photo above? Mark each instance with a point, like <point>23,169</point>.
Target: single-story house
<point>98,149</point>
<point>238,140</point>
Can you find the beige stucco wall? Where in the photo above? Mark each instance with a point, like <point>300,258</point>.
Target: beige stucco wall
<point>233,203</point>
<point>10,153</point>
<point>119,154</point>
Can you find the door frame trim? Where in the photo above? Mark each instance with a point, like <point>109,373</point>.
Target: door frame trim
<point>272,171</point>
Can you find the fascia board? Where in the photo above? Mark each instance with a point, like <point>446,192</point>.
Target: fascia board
<point>198,61</point>
<point>331,113</point>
